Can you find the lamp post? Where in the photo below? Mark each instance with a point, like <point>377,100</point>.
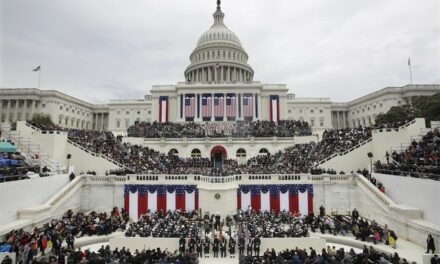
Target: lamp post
<point>370,155</point>
<point>69,156</point>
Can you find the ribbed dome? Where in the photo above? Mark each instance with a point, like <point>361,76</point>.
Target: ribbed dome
<point>219,56</point>
<point>218,33</point>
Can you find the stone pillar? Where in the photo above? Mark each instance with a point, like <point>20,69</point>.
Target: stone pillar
<point>1,109</point>
<point>344,122</point>
<point>236,106</point>
<point>212,108</point>
<point>16,110</point>
<point>95,121</point>
<point>253,106</point>
<point>209,74</point>
<point>222,75</point>
<point>196,116</point>
<point>8,111</point>
<point>32,109</point>
<point>224,108</point>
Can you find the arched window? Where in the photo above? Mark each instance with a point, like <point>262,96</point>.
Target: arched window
<point>196,153</point>
<point>263,151</point>
<point>241,153</point>
<point>173,151</point>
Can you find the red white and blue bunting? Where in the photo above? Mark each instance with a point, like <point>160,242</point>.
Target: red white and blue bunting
<point>139,199</point>
<point>294,198</point>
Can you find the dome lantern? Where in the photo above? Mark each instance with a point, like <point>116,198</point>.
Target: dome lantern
<point>219,56</point>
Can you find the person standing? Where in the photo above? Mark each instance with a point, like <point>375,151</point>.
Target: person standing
<point>249,247</point>
<point>257,243</point>
<point>232,247</point>
<point>223,247</point>
<point>206,246</point>
<point>182,244</point>
<point>430,244</point>
<point>215,247</point>
<point>199,248</point>
<point>241,244</point>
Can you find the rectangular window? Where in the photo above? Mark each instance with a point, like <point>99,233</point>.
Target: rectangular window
<point>118,124</point>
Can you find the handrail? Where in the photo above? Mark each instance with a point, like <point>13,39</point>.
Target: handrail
<point>99,155</point>
<point>344,152</point>
<point>413,174</point>
<point>381,197</point>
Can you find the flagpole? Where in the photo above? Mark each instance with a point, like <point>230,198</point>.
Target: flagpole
<point>410,71</point>
<point>39,78</point>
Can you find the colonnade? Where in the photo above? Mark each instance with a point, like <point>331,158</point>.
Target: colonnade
<point>219,74</point>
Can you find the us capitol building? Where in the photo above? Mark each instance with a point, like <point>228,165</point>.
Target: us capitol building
<point>218,86</point>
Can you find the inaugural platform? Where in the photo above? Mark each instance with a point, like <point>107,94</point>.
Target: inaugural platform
<point>220,168</point>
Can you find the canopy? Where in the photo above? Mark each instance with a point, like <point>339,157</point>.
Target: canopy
<point>7,147</point>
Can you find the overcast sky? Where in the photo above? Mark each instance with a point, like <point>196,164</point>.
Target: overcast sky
<point>113,49</point>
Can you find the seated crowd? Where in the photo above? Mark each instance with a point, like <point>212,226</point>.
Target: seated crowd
<point>284,128</point>
<point>26,245</point>
<point>421,157</point>
<point>299,158</point>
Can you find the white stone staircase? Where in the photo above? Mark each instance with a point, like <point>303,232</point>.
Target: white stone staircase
<point>29,150</point>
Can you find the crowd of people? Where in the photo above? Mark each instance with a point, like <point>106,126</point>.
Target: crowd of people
<point>421,157</point>
<point>328,255</point>
<point>284,128</point>
<point>26,245</point>
<point>299,158</point>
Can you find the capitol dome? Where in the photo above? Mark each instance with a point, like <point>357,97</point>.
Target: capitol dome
<point>218,33</point>
<point>219,56</point>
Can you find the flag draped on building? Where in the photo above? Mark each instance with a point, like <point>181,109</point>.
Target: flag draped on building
<point>274,108</point>
<point>139,199</point>
<point>247,106</point>
<point>231,107</point>
<point>294,198</point>
<point>190,107</point>
<point>219,107</point>
<point>206,107</point>
<point>163,109</point>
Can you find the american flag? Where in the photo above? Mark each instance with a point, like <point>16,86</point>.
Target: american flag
<point>190,107</point>
<point>247,106</point>
<point>206,107</point>
<point>231,106</point>
<point>219,107</point>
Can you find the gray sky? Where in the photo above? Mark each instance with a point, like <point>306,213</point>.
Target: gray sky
<point>110,49</point>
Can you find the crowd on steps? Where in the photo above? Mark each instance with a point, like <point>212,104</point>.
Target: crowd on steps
<point>299,158</point>
<point>421,157</point>
<point>284,128</point>
<point>237,236</point>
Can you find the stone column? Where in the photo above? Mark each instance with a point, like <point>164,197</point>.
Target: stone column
<point>8,111</point>
<point>212,108</point>
<point>344,122</point>
<point>1,109</point>
<point>209,74</point>
<point>95,121</point>
<point>222,75</point>
<point>236,106</point>
<point>228,74</point>
<point>224,108</point>
<point>196,116</point>
<point>253,106</point>
<point>32,109</point>
<point>16,110</point>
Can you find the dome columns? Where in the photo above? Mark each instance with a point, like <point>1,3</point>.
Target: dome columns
<point>219,74</point>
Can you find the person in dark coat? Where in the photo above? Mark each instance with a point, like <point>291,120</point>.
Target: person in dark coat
<point>430,244</point>
<point>223,244</point>
<point>215,247</point>
<point>206,246</point>
<point>182,244</point>
<point>249,247</point>
<point>241,244</point>
<point>199,247</point>
<point>232,247</point>
<point>257,243</point>
<point>321,211</point>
